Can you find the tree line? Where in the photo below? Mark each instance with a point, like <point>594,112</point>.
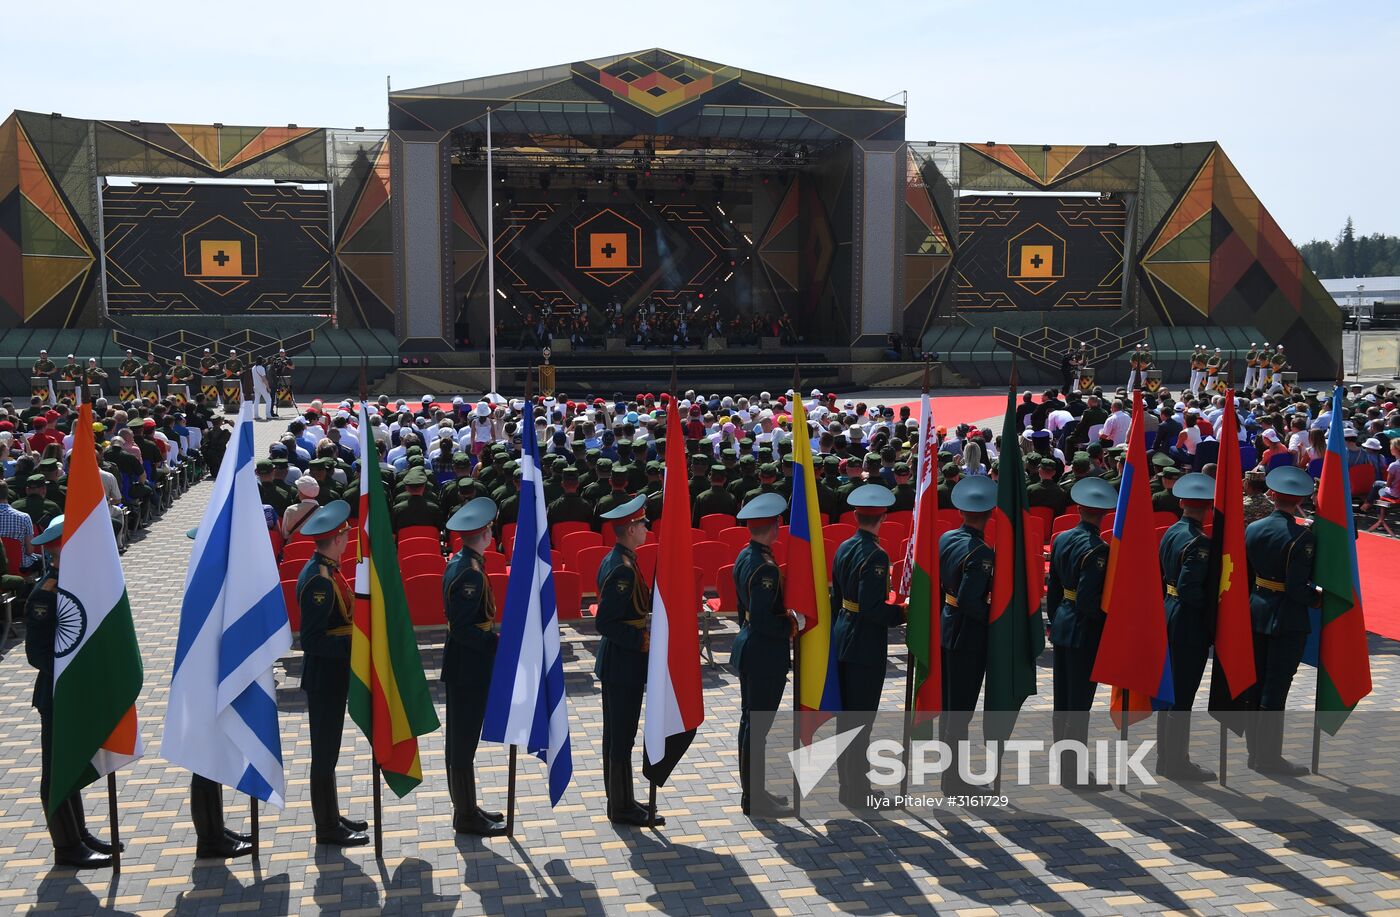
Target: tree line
<point>1352,255</point>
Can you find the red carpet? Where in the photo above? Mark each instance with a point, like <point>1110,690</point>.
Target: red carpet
<point>951,410</point>
<point>1378,557</point>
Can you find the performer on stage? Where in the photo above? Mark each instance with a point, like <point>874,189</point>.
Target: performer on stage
<point>209,364</point>
<point>71,371</point>
<point>94,374</point>
<point>152,371</point>
<point>279,370</point>
<point>130,366</point>
<point>1251,367</point>
<point>43,366</point>
<point>261,391</point>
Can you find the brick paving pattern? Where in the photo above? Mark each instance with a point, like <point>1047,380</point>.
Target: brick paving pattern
<point>1123,856</point>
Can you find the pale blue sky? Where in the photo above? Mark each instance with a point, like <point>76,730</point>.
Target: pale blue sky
<point>1301,93</point>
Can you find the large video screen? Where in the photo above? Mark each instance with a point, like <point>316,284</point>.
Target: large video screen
<point>1035,254</point>
<point>216,249</point>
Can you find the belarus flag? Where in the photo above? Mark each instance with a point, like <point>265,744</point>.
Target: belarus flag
<point>675,706</point>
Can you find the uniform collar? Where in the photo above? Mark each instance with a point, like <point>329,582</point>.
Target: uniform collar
<point>333,564</point>
<point>1192,522</point>
<point>1088,526</point>
<point>974,532</point>
<point>625,551</point>
<point>866,534</point>
<point>760,547</point>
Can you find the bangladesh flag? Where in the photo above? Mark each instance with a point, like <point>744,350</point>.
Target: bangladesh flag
<point>1344,669</point>
<point>389,697</point>
<point>1015,630</point>
<point>97,664</point>
<point>921,580</point>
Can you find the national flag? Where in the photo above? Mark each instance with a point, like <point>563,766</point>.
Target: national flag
<point>97,671</point>
<point>1015,629</point>
<point>389,697</point>
<point>675,706</point>
<point>1132,652</point>
<point>1344,668</point>
<point>526,705</point>
<point>221,720</point>
<point>920,580</point>
<point>1233,671</point>
<point>806,584</point>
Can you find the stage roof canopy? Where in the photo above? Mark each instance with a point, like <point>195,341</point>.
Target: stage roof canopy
<point>655,93</point>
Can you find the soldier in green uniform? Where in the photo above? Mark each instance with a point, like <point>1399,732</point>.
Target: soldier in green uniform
<point>73,845</point>
<point>1166,499</point>
<point>1280,554</point>
<point>654,468</point>
<point>54,490</point>
<point>1078,563</point>
<point>763,648</point>
<point>767,482</point>
<point>715,500</point>
<point>130,366</point>
<point>94,374</point>
<point>624,611</point>
<point>570,506</point>
<point>151,370</point>
<point>1046,491</point>
<point>326,619</point>
<point>903,490</point>
<point>461,490</point>
<point>746,480</point>
<point>268,491</point>
<point>209,364</point>
<point>860,585</point>
<point>71,371</point>
<point>602,483</point>
<point>43,366</point>
<point>1185,558</point>
<point>618,476</point>
<point>181,373</point>
<point>233,366</point>
<point>467,660</point>
<point>656,496</point>
<point>35,502</point>
<point>952,474</point>
<point>508,499</point>
<point>965,575</point>
<point>414,507</point>
<point>1213,364</point>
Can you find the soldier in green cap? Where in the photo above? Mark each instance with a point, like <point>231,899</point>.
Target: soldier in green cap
<point>767,482</point>
<point>1165,500</point>
<point>762,649</point>
<point>1160,461</point>
<point>1046,491</point>
<point>903,490</point>
<point>509,503</point>
<point>35,502</point>
<point>459,491</point>
<point>624,612</point>
<point>1185,555</point>
<point>965,575</point>
<point>952,474</point>
<point>602,483</point>
<point>1280,555</point>
<point>570,506</point>
<point>746,480</point>
<point>618,476</point>
<point>860,585</point>
<point>54,491</point>
<point>655,494</point>
<point>414,507</point>
<point>715,500</point>
<point>829,498</point>
<point>73,844</point>
<point>1074,597</point>
<point>267,487</point>
<point>327,615</point>
<point>699,474</point>
<point>467,660</point>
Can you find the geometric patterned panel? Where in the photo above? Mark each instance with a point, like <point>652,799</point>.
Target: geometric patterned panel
<point>56,257</point>
<point>989,166</point>
<point>364,243</point>
<point>928,249</point>
<point>213,149</point>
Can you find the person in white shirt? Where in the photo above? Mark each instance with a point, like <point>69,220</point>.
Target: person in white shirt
<point>1117,425</point>
<point>262,392</point>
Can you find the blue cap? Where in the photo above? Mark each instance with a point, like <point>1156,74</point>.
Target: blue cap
<point>1294,482</point>
<point>1197,486</point>
<point>763,506</point>
<point>474,515</point>
<point>1094,493</point>
<point>193,533</point>
<point>54,531</point>
<point>327,520</point>
<point>975,494</point>
<point>631,508</point>
<point>870,496</point>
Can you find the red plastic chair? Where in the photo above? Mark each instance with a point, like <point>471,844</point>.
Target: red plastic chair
<point>950,517</point>
<point>1046,515</point>
<point>507,537</point>
<point>422,565</point>
<point>498,583</point>
<point>424,594</point>
<point>560,529</point>
<point>1063,524</point>
<point>571,543</point>
<point>647,555</point>
<point>1362,477</point>
<point>275,536</point>
<point>588,561</point>
<point>418,531</point>
<point>568,595</point>
<point>495,562</point>
<point>903,518</point>
<point>709,557</point>
<point>411,546</point>
<point>1162,517</point>
<point>289,595</point>
<point>714,523</point>
<point>14,554</point>
<point>839,532</point>
<point>454,543</point>
<point>1108,518</point>
<point>287,569</point>
<point>892,530</point>
<point>298,549</point>
<point>780,551</point>
<point>728,601</point>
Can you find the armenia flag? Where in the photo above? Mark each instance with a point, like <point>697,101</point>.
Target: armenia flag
<point>807,586</point>
<point>97,671</point>
<point>1343,667</point>
<point>923,632</point>
<point>1132,652</point>
<point>389,697</point>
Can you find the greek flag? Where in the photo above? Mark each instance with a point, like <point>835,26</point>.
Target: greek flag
<point>527,705</point>
<point>221,722</point>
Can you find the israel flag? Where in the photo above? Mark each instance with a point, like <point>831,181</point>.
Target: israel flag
<point>527,705</point>
<point>221,721</point>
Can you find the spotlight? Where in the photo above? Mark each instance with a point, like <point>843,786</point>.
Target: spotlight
<point>598,176</point>
<point>502,177</point>
<point>583,195</point>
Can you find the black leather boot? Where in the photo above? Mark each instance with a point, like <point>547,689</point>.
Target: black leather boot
<point>68,846</point>
<point>467,817</point>
<point>207,813</point>
<point>90,841</point>
<point>325,809</point>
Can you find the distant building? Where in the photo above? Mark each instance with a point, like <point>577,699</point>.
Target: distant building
<point>1367,301</point>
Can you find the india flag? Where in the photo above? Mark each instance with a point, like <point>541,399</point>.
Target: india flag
<point>97,665</point>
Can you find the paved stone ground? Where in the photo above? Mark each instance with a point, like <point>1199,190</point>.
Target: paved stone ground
<point>1125,855</point>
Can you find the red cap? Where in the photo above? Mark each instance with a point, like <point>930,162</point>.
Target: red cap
<point>599,401</point>
<point>40,422</point>
<point>6,426</point>
<point>695,410</point>
<point>148,424</point>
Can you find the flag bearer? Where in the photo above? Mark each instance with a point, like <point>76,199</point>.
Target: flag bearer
<point>73,845</point>
<point>860,587</point>
<point>624,609</point>
<point>467,660</point>
<point>763,649</point>
<point>327,615</point>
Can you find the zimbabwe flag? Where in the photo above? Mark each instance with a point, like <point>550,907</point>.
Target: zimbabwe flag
<point>389,697</point>
<point>1343,669</point>
<point>1233,673</point>
<point>1015,629</point>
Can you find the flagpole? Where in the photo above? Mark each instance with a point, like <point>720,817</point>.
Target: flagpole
<point>378,817</point>
<point>796,717</point>
<point>112,817</point>
<point>253,822</point>
<point>510,794</point>
<point>924,427</point>
<point>1224,737</point>
<point>490,253</point>
<point>1123,731</point>
<point>651,819</point>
